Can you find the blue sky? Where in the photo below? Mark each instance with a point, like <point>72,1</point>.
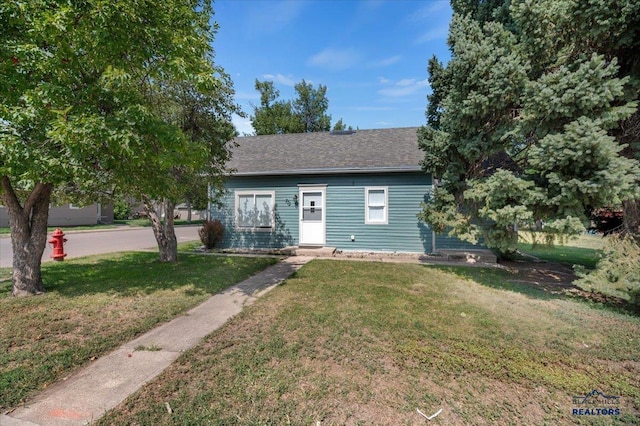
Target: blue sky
<point>371,55</point>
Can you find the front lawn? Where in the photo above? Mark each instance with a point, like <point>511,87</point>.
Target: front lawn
<point>345,342</point>
<point>94,305</point>
<point>584,250</point>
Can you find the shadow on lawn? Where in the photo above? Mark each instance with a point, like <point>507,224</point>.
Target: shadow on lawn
<point>141,272</point>
<point>539,280</point>
<point>501,279</point>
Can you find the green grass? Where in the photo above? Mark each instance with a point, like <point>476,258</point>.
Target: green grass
<point>582,240</point>
<point>500,279</point>
<point>147,222</point>
<point>152,348</point>
<point>583,250</point>
<point>95,304</point>
<point>133,222</point>
<point>586,257</point>
<point>115,224</point>
<point>367,343</point>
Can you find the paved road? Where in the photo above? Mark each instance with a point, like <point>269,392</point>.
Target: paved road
<point>104,241</point>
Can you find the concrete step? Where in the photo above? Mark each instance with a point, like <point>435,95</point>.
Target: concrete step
<point>469,256</point>
<point>315,251</point>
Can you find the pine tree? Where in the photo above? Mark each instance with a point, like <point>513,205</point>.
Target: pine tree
<point>522,122</point>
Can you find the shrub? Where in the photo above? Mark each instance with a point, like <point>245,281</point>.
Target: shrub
<point>211,233</point>
<point>121,210</point>
<point>618,271</point>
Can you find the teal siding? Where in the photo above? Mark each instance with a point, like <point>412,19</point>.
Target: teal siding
<point>345,213</point>
<point>285,214</point>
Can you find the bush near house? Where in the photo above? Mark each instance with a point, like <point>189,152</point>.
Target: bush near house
<point>211,233</point>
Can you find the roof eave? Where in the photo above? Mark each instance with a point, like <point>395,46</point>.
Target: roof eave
<point>334,171</point>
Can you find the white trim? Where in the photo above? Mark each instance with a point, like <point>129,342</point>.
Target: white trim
<point>385,209</point>
<point>238,194</point>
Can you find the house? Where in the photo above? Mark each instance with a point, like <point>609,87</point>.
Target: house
<point>182,212</point>
<point>350,190</point>
<point>71,215</point>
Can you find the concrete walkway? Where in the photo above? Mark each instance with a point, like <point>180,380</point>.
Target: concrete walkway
<point>86,395</point>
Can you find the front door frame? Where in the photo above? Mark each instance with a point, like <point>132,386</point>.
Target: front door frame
<point>306,227</point>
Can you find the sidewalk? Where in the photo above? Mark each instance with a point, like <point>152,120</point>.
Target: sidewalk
<point>105,383</point>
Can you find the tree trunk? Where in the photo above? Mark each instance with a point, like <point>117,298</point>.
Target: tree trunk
<point>188,210</point>
<point>28,225</point>
<point>631,218</point>
<point>163,230</point>
<point>628,137</point>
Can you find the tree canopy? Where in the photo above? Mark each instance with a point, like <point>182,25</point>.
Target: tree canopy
<point>340,126</point>
<point>522,123</point>
<point>306,113</point>
<point>273,116</point>
<point>196,160</point>
<point>96,95</point>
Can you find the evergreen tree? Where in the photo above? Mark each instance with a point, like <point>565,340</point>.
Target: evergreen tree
<point>522,122</point>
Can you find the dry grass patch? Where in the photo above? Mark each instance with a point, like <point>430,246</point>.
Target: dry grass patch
<point>367,343</point>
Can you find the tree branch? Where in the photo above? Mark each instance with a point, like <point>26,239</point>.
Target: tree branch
<point>35,194</point>
<point>9,196</point>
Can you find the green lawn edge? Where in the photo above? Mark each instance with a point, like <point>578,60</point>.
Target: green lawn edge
<point>94,304</point>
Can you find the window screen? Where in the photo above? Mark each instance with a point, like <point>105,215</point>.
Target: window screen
<point>376,205</point>
<point>254,210</point>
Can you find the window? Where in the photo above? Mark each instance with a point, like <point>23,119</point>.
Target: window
<point>254,210</point>
<point>312,206</point>
<point>375,205</point>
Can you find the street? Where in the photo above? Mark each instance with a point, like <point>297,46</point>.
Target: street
<point>84,243</point>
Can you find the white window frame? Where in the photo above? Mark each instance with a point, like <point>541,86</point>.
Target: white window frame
<point>385,209</point>
<point>237,196</point>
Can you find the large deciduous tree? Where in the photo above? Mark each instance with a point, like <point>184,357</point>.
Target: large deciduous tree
<point>307,113</point>
<point>311,107</point>
<point>273,116</point>
<point>78,108</point>
<point>522,122</point>
<point>193,153</point>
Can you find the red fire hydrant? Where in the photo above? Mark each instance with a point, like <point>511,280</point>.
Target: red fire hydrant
<point>58,240</point>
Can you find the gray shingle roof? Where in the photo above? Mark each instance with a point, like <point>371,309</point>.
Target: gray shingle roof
<point>324,152</point>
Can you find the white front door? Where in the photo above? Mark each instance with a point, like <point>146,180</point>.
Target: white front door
<point>312,216</point>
